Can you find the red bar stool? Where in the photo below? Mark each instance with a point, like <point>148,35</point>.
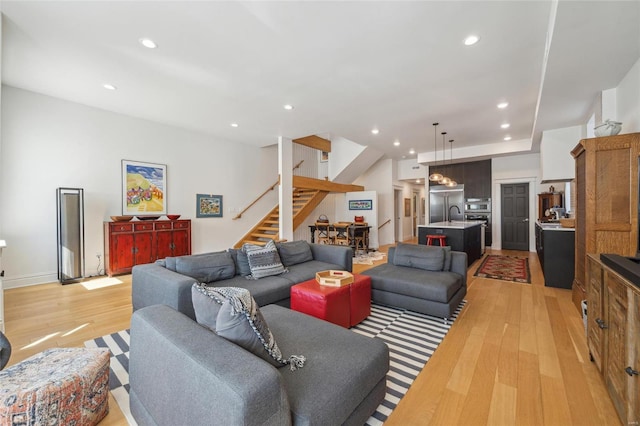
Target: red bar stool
<point>442,239</point>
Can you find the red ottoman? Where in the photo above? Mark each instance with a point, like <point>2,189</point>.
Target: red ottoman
<point>324,302</point>
<point>360,298</point>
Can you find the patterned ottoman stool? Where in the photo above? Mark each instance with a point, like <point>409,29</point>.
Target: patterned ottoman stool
<point>62,386</point>
<point>324,302</point>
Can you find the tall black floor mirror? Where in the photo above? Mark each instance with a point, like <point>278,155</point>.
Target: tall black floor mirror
<point>70,203</point>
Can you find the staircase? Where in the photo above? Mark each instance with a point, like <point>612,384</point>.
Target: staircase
<point>304,202</point>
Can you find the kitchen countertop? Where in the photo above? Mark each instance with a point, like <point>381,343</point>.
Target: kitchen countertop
<point>553,226</point>
<point>454,224</point>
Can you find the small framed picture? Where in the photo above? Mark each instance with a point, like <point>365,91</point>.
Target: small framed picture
<point>324,156</point>
<point>360,205</point>
<point>407,207</point>
<point>208,205</point>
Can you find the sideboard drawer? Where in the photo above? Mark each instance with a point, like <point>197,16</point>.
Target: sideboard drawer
<point>181,225</point>
<point>163,225</point>
<point>121,227</point>
<point>143,226</point>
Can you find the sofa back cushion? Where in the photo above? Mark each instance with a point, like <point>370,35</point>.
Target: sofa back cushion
<point>430,258</point>
<point>242,262</point>
<point>294,252</point>
<point>208,267</point>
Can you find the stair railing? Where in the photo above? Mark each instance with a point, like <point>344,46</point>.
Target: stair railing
<point>239,215</point>
<point>388,221</point>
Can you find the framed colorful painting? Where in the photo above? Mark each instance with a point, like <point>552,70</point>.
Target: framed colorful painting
<point>208,205</point>
<point>144,188</point>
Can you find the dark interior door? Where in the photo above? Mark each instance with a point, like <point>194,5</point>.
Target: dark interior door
<point>515,216</point>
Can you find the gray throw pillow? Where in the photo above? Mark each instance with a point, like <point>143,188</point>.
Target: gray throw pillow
<point>264,261</point>
<point>294,252</point>
<point>206,305</point>
<point>430,258</point>
<point>207,268</point>
<point>240,321</point>
<point>242,263</point>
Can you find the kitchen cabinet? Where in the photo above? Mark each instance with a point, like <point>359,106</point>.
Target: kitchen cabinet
<point>606,201</point>
<point>127,244</point>
<point>556,250</point>
<point>476,177</point>
<point>612,336</point>
<point>546,200</point>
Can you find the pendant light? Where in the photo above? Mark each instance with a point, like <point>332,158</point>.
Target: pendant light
<point>435,176</point>
<point>445,180</point>
<point>452,183</point>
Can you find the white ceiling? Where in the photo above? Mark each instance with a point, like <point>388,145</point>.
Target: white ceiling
<point>347,67</point>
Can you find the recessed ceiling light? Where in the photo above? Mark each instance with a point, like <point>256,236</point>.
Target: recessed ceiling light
<point>417,180</point>
<point>234,124</point>
<point>375,131</point>
<point>505,125</point>
<point>109,86</point>
<point>507,138</point>
<point>148,43</point>
<point>503,105</point>
<point>471,40</point>
<point>288,107</point>
<point>396,143</point>
<point>412,151</point>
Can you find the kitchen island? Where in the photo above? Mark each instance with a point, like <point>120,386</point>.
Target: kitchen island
<point>462,235</point>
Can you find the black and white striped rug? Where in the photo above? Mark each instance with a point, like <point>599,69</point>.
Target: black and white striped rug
<point>412,338</point>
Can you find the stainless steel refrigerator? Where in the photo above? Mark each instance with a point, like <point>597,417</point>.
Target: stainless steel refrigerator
<point>443,201</point>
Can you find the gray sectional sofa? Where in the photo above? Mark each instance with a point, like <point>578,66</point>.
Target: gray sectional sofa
<point>428,279</point>
<point>183,373</point>
<point>168,281</point>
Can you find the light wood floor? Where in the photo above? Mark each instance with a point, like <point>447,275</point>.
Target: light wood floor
<point>516,355</point>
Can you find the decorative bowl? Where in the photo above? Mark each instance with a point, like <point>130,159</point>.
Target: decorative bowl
<point>608,128</point>
<point>148,217</point>
<point>173,216</point>
<point>121,218</point>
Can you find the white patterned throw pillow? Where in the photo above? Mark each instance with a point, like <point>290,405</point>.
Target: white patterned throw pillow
<point>240,321</point>
<point>264,261</point>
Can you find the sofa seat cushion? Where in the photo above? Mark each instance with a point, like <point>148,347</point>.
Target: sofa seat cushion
<point>318,393</point>
<point>306,271</point>
<point>265,291</point>
<point>413,282</point>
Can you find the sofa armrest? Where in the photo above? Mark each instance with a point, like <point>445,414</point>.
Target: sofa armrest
<point>152,284</point>
<point>181,371</point>
<point>459,265</point>
<point>340,255</point>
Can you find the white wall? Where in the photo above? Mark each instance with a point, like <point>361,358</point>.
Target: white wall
<point>49,143</point>
<point>556,160</point>
<point>379,179</point>
<point>628,100</point>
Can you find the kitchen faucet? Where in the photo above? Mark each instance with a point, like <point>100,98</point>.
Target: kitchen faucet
<point>457,208</point>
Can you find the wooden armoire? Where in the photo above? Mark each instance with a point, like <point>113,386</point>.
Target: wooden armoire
<point>607,201</point>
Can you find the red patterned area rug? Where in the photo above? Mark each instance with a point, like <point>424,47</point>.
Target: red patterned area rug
<point>507,268</point>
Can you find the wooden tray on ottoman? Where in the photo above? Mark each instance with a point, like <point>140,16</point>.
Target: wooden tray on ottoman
<point>334,278</point>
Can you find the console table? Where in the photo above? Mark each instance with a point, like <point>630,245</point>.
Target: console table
<point>127,244</point>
